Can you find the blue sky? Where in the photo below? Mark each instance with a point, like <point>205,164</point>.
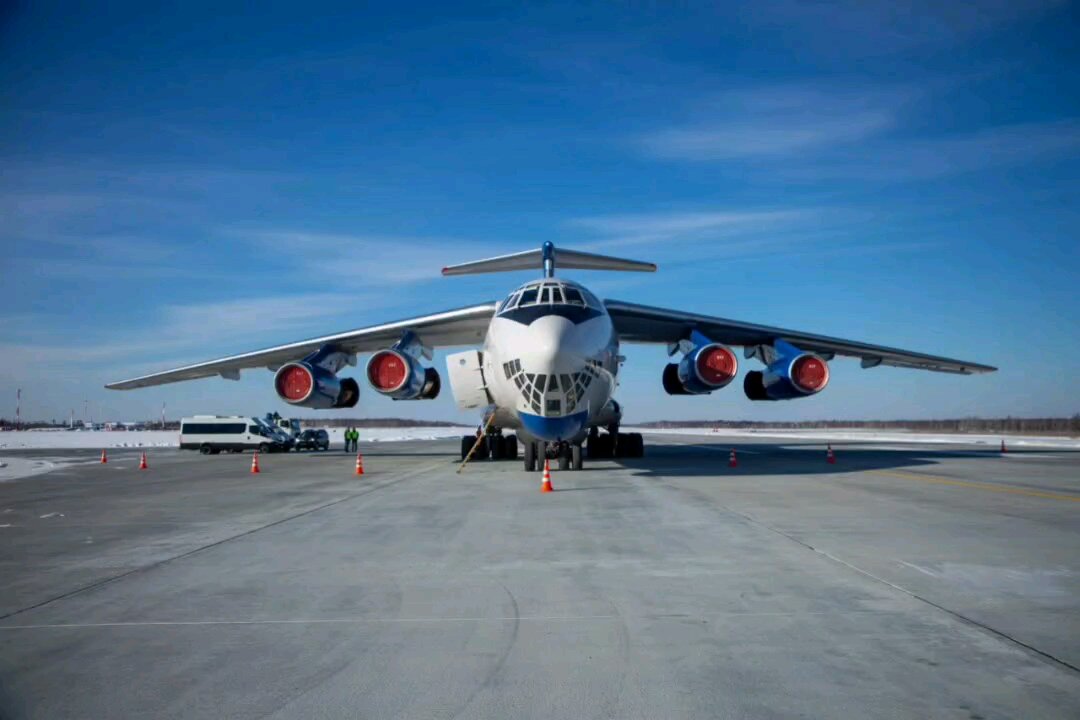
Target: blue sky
<point>186,183</point>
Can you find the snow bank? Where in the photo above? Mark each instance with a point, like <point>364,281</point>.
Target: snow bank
<point>337,435</point>
<point>98,439</point>
<point>860,435</point>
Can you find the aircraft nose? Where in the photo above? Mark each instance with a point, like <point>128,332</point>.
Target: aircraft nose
<point>551,406</point>
<point>549,349</point>
<point>550,428</point>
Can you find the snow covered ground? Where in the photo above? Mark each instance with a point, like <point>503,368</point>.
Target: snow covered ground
<point>881,436</point>
<point>97,439</point>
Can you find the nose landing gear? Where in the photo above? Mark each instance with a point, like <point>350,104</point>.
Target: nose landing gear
<point>567,455</point>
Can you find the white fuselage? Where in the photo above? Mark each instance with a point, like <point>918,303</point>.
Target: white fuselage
<point>550,361</point>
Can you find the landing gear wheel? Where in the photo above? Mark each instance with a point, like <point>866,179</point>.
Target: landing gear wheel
<point>495,447</point>
<point>530,457</point>
<point>564,459</point>
<point>510,449</point>
<point>575,457</point>
<point>466,445</point>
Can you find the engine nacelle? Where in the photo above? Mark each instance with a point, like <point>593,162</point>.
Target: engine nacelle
<point>400,377</point>
<point>703,369</point>
<point>788,378</point>
<point>307,385</point>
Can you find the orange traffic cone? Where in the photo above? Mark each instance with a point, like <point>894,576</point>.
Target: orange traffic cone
<point>545,485</point>
<point>829,457</point>
<point>142,463</point>
<point>1003,450</point>
<point>104,458</point>
<point>359,464</point>
<point>732,460</point>
<point>255,462</point>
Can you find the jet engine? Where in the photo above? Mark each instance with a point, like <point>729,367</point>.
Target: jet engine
<point>787,378</point>
<point>308,385</point>
<point>399,376</point>
<point>704,368</point>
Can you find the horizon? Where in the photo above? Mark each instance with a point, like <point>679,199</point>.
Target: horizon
<point>183,184</point>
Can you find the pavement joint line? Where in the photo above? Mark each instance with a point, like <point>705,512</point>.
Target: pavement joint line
<point>990,487</point>
<point>106,581</point>
<point>910,593</point>
<point>420,620</point>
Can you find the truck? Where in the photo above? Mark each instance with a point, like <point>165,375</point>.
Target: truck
<point>290,426</point>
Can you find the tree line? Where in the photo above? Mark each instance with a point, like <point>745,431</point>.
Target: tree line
<point>1034,426</point>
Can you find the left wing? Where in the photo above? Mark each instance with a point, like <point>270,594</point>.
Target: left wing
<point>642,324</point>
<point>464,326</point>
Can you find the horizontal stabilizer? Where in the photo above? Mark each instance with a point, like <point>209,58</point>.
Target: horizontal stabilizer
<point>547,258</point>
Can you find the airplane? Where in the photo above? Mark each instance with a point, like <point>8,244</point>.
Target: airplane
<point>548,361</point>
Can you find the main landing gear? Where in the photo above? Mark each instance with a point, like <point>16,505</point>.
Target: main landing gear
<point>615,444</point>
<point>494,447</point>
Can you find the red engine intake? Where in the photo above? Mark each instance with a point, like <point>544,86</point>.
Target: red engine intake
<point>388,371</point>
<point>810,373</point>
<point>400,377</point>
<point>716,365</point>
<point>306,385</point>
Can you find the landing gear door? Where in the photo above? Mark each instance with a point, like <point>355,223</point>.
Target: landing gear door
<point>466,373</point>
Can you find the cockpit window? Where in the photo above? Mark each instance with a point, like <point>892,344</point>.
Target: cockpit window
<point>548,293</point>
<point>528,296</point>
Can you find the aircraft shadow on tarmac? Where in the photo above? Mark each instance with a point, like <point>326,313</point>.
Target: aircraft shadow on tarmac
<point>709,459</point>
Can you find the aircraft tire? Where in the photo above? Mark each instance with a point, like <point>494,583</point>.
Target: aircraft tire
<point>530,457</point>
<point>575,457</point>
<point>466,445</point>
<point>495,447</point>
<point>564,460</point>
<point>511,448</point>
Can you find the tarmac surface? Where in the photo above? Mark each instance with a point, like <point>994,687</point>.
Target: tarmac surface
<point>901,582</point>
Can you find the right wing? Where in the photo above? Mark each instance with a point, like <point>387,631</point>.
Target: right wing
<point>643,324</point>
<point>464,326</point>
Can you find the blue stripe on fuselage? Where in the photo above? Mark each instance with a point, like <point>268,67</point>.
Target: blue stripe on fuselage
<point>528,314</point>
<point>554,428</point>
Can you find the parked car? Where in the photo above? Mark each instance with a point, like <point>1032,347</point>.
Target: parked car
<point>313,440</point>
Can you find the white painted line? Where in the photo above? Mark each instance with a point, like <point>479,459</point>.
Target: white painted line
<point>52,514</point>
<point>923,570</point>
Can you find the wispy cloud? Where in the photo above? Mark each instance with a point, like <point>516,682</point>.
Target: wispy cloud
<point>910,159</point>
<point>775,121</point>
<point>380,260</point>
<point>804,132</point>
<point>681,223</point>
